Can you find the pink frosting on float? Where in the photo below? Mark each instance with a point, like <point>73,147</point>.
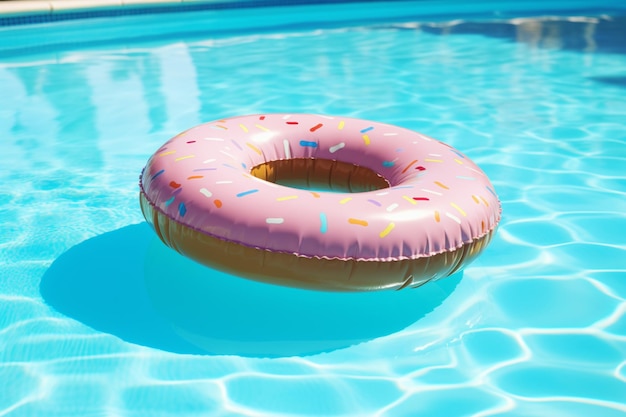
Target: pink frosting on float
<point>438,201</point>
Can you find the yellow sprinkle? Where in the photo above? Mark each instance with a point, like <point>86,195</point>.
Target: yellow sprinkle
<point>244,128</point>
<point>476,200</point>
<point>345,200</point>
<point>184,157</point>
<point>459,209</point>
<point>341,125</point>
<point>262,128</point>
<point>289,197</point>
<point>458,161</point>
<point>166,153</point>
<point>388,229</point>
<point>366,139</point>
<point>485,201</point>
<point>445,187</point>
<point>433,160</point>
<point>437,217</point>
<point>254,148</point>
<point>409,199</point>
<point>357,222</point>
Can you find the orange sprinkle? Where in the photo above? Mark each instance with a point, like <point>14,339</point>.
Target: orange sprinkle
<point>218,203</point>
<point>221,127</point>
<point>409,166</point>
<point>437,217</point>
<point>317,126</point>
<point>357,221</point>
<point>195,177</point>
<point>445,187</point>
<point>316,195</point>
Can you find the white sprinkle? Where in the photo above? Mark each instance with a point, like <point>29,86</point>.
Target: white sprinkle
<point>473,169</point>
<point>215,139</point>
<point>390,134</point>
<point>336,147</point>
<point>287,116</point>
<point>392,207</point>
<point>434,154</point>
<point>431,191</point>
<point>274,220</point>
<point>205,192</point>
<point>223,182</point>
<point>453,217</point>
<point>287,149</point>
<point>229,155</point>
<point>208,161</point>
<point>326,117</point>
<point>383,193</point>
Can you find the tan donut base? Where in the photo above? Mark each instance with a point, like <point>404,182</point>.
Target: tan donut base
<point>304,272</point>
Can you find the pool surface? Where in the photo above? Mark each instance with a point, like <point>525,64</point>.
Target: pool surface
<point>98,318</point>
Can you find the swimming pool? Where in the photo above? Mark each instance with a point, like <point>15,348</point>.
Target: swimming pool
<point>97,318</point>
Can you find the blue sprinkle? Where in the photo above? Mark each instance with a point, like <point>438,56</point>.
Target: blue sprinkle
<point>243,165</point>
<point>157,174</point>
<point>245,193</point>
<point>204,169</point>
<point>458,153</point>
<point>388,163</point>
<point>308,144</point>
<point>236,144</point>
<point>461,177</point>
<point>182,209</point>
<point>491,191</point>
<point>323,223</point>
<point>170,201</point>
<point>367,129</point>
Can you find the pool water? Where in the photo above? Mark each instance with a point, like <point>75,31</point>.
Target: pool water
<point>98,318</point>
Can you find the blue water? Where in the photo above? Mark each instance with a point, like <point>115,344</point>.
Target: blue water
<point>98,318</point>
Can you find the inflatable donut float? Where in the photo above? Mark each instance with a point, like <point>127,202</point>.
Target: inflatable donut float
<point>329,203</point>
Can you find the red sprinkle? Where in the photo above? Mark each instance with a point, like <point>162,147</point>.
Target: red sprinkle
<point>292,123</point>
<point>317,126</point>
<point>191,141</point>
<point>174,184</point>
<point>421,198</point>
<point>262,118</point>
<point>421,168</point>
